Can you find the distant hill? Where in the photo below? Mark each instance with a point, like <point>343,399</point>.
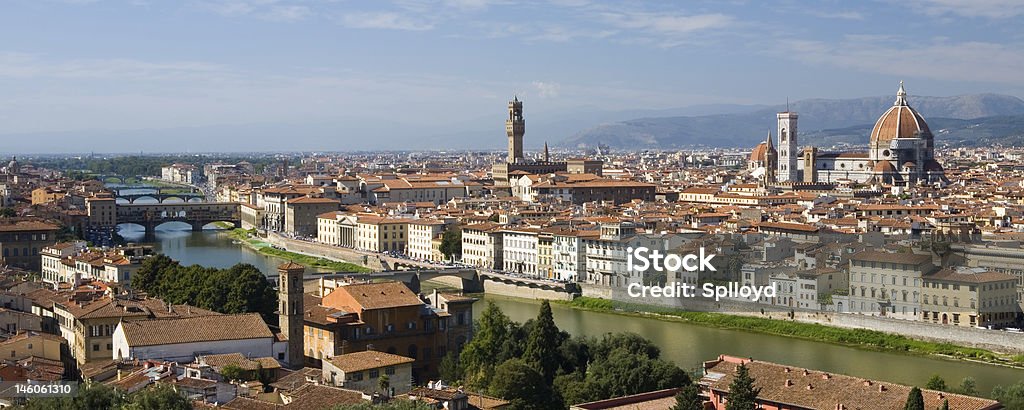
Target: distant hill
<point>992,116</point>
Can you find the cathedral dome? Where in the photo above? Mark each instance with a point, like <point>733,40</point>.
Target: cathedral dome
<point>899,121</point>
<point>760,152</point>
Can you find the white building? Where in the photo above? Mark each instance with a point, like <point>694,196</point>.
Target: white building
<point>72,262</point>
<point>337,228</point>
<point>182,339</point>
<point>481,245</point>
<point>519,250</point>
<point>422,235</point>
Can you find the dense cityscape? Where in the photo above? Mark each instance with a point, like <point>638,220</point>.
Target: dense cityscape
<point>385,269</point>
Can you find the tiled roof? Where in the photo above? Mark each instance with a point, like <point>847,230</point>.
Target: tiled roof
<point>878,256</point>
<point>238,359</point>
<point>812,389</point>
<point>196,329</point>
<point>365,360</point>
<point>381,295</point>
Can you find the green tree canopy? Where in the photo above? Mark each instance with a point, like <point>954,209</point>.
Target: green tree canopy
<point>1011,396</point>
<point>688,398</point>
<point>936,382</point>
<point>915,400</point>
<point>451,243</point>
<point>543,343</point>
<point>524,387</point>
<point>160,396</point>
<point>742,393</point>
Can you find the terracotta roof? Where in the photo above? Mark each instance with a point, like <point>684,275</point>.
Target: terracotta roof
<point>290,265</point>
<point>27,225</point>
<point>195,329</point>
<point>238,359</point>
<point>888,257</point>
<point>812,389</point>
<point>366,360</point>
<point>381,295</point>
<point>968,276</point>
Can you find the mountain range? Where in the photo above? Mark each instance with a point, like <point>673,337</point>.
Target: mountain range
<point>965,119</point>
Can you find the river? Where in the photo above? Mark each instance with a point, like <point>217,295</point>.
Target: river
<point>686,345</point>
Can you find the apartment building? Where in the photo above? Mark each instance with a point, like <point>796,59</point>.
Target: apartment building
<point>519,247</point>
<point>21,240</point>
<point>337,228</point>
<point>964,296</point>
<point>301,214</point>
<point>482,245</point>
<point>887,284</point>
<point>72,263</point>
<point>381,234</point>
<point>425,238</point>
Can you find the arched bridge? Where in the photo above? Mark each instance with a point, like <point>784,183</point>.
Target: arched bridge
<point>484,275</point>
<point>471,281</point>
<point>160,194</point>
<point>197,214</point>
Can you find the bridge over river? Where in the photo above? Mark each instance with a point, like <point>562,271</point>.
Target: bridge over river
<point>197,214</point>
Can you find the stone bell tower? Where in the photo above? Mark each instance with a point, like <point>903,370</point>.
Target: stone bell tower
<point>290,313</point>
<point>515,127</point>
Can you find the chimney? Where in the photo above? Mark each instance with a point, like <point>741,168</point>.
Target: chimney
<point>826,376</point>
<point>788,383</point>
<point>810,387</point>
<point>867,382</point>
<point>806,372</point>
<point>881,388</point>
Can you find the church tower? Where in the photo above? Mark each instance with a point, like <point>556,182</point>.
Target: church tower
<point>290,320</point>
<point>788,147</point>
<point>770,162</point>
<point>515,127</point>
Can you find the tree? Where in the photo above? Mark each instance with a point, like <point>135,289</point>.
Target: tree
<point>90,396</point>
<point>493,344</point>
<point>1011,396</point>
<point>542,344</point>
<point>8,213</point>
<point>742,393</point>
<point>523,386</point>
<point>157,397</point>
<point>688,398</point>
<point>915,400</point>
<point>945,404</point>
<point>233,372</point>
<point>968,386</point>
<point>449,368</point>
<point>451,243</point>
<point>384,384</point>
<point>936,383</point>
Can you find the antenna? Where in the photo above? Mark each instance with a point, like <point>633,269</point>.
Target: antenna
<point>787,103</point>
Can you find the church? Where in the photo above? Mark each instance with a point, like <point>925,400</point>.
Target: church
<point>901,152</point>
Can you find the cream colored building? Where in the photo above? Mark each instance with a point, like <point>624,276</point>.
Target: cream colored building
<point>965,296</point>
<point>519,249</point>
<point>887,284</point>
<point>362,371</point>
<point>422,236</point>
<point>337,228</point>
<point>382,234</point>
<point>482,245</point>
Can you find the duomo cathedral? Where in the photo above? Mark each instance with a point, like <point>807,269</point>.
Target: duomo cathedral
<point>901,152</point>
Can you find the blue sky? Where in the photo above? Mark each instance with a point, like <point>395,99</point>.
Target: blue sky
<point>348,74</point>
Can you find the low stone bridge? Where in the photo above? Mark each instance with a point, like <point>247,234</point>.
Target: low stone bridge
<point>197,214</point>
<point>158,193</point>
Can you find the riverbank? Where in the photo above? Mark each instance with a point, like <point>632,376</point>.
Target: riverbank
<point>247,239</point>
<point>858,338</point>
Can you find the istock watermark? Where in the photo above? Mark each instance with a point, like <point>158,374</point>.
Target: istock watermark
<point>641,259</point>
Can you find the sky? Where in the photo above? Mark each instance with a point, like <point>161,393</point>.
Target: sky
<point>240,75</point>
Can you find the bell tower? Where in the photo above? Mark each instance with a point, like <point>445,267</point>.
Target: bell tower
<point>515,127</point>
<point>291,310</point>
<point>788,150</point>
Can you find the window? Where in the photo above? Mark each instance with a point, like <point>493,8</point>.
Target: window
<point>374,373</point>
<point>95,347</point>
<point>389,370</point>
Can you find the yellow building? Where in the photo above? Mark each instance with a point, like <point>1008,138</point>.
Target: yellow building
<point>32,344</point>
<point>382,234</point>
<point>47,195</point>
<point>970,297</point>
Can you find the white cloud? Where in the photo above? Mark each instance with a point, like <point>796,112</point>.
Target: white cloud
<point>668,23</point>
<point>384,20</point>
<point>547,89</point>
<point>840,15</point>
<point>939,59</point>
<point>24,65</point>
<point>994,9</point>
